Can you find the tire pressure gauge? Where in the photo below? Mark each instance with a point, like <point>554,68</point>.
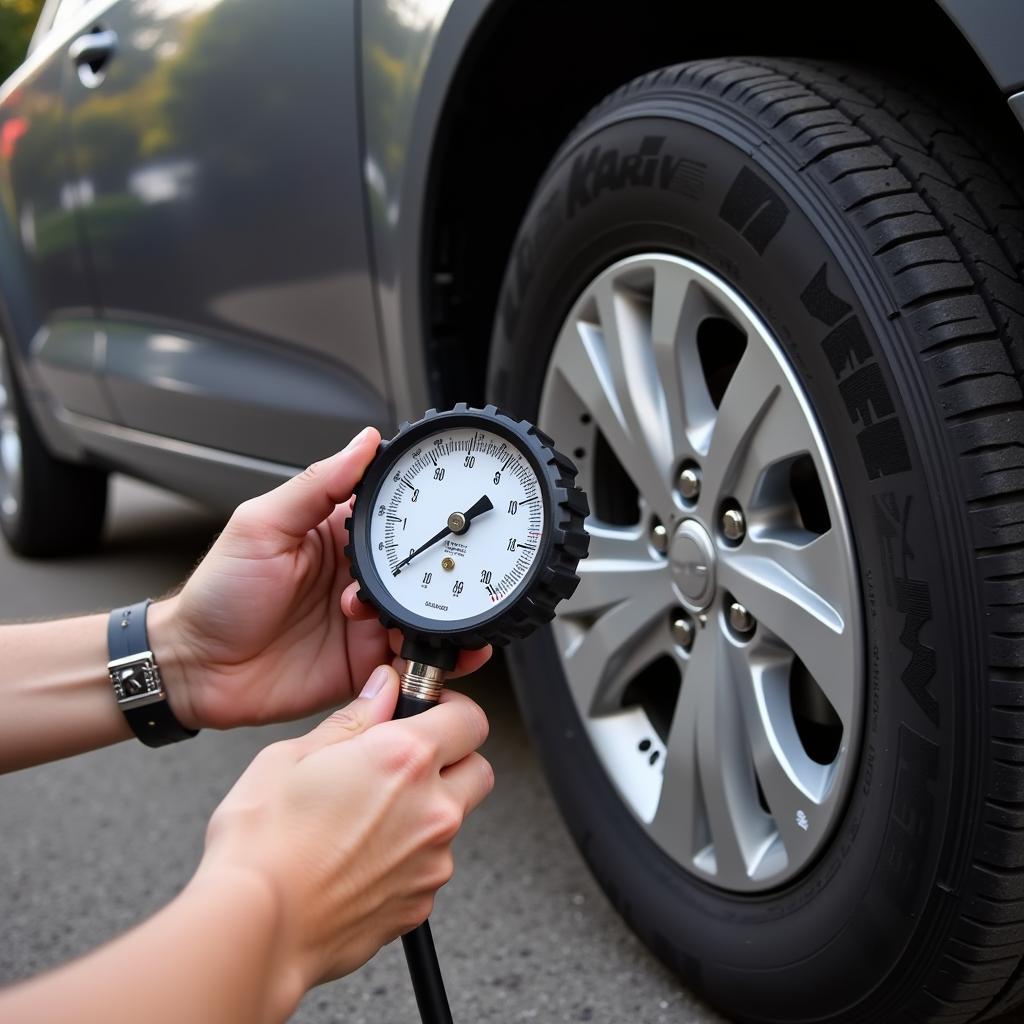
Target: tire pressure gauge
<point>467,530</point>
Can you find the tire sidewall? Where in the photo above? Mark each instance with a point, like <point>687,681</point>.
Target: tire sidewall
<point>653,175</point>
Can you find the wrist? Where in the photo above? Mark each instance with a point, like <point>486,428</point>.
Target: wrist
<point>251,900</point>
<point>173,655</point>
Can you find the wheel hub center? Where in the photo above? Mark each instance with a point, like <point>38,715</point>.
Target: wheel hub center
<point>692,558</point>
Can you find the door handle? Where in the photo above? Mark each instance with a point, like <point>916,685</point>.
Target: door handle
<point>90,54</point>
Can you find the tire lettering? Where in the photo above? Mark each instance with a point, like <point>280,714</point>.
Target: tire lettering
<point>754,209</point>
<point>866,396</point>
<point>911,599</point>
<point>914,600</point>
<point>579,194</point>
<point>606,176</point>
<point>821,302</point>
<point>600,170</point>
<point>684,176</point>
<point>629,172</point>
<point>846,346</point>
<point>883,447</point>
<point>594,171</point>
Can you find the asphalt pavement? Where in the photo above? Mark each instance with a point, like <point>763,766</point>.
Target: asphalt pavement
<point>92,845</point>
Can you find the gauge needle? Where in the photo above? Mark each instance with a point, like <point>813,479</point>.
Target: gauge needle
<point>481,506</point>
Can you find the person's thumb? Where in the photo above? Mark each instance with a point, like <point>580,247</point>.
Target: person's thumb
<point>375,704</point>
<point>300,504</point>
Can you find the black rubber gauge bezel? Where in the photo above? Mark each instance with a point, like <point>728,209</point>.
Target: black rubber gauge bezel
<point>552,576</point>
<point>379,474</point>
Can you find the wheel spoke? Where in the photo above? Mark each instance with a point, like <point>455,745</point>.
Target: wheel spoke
<point>619,566</point>
<point>810,559</point>
<point>680,821</point>
<point>678,306</point>
<point>625,327</point>
<point>803,619</point>
<point>760,421</point>
<point>708,770</point>
<point>584,361</point>
<point>620,614</point>
<point>793,784</point>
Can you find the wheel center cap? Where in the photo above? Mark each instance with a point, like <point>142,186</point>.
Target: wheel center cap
<point>692,558</point>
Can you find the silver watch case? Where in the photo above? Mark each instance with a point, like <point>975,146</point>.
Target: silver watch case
<point>136,680</point>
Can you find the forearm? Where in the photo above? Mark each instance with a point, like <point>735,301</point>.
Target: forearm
<point>55,695</point>
<point>214,954</point>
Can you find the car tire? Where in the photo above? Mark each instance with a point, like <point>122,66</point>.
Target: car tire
<point>48,507</point>
<point>880,246</point>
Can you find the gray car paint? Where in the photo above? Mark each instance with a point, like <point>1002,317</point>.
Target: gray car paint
<point>46,281</point>
<point>992,30</point>
<point>205,310</point>
<point>394,108</point>
<point>992,27</point>
<point>222,293</point>
<point>198,214</point>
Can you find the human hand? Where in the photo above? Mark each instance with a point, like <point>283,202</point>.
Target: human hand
<point>256,635</point>
<point>351,825</point>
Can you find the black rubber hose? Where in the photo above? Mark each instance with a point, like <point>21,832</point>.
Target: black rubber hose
<point>409,706</point>
<point>425,972</point>
<point>420,954</point>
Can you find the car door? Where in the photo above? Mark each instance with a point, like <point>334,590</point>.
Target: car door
<point>217,146</point>
<point>45,295</point>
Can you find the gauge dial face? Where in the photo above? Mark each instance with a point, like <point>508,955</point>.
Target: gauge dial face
<point>457,524</point>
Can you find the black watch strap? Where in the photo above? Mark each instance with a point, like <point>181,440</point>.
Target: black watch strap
<point>136,679</point>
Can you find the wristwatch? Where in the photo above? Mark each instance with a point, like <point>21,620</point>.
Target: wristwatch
<point>135,677</point>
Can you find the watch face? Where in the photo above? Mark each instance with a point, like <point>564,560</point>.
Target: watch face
<point>456,524</point>
<point>133,680</point>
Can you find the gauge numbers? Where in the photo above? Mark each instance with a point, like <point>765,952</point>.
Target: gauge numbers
<point>456,524</point>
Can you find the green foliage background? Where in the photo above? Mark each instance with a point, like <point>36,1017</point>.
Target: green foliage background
<point>17,20</point>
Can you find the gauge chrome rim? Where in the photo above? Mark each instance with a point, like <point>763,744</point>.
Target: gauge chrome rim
<point>10,445</point>
<point>714,646</point>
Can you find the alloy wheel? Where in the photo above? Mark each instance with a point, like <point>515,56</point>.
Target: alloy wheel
<point>714,646</point>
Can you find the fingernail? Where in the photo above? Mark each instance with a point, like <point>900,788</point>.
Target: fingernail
<point>375,683</point>
<point>359,437</point>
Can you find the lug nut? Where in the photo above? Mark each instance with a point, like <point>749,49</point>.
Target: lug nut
<point>734,526</point>
<point>659,537</point>
<point>740,619</point>
<point>689,483</point>
<point>683,632</point>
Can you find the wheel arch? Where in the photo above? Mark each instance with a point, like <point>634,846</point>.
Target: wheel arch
<point>476,157</point>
